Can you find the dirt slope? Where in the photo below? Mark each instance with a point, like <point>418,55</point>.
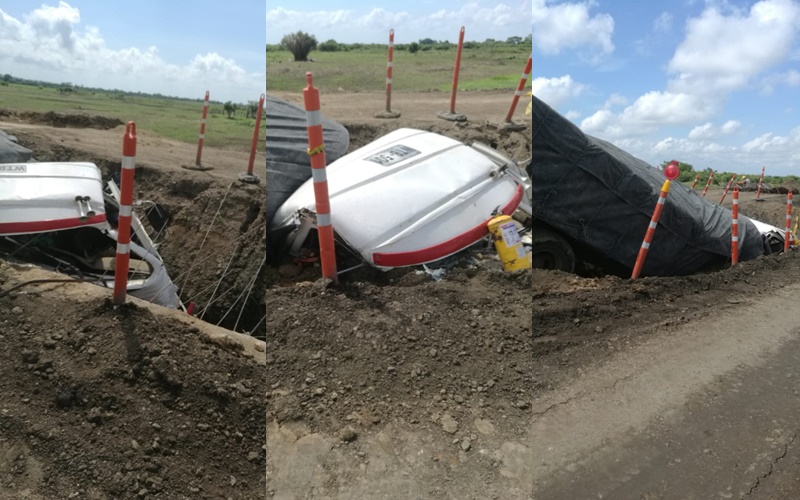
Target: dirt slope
<point>131,402</point>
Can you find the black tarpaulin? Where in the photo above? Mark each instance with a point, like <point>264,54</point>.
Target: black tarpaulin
<point>288,163</point>
<point>603,197</point>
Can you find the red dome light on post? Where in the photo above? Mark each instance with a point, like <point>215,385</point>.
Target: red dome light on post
<point>672,171</point>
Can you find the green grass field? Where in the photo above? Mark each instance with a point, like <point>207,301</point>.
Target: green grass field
<point>171,118</point>
<point>484,68</point>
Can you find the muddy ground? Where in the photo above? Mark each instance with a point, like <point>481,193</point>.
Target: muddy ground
<point>140,402</point>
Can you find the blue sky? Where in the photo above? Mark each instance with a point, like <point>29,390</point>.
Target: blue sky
<point>175,48</point>
<point>713,83</point>
<point>368,21</point>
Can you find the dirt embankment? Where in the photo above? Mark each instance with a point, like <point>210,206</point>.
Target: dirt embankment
<point>62,120</point>
<point>102,402</point>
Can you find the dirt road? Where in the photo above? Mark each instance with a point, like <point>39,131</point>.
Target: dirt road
<point>668,387</point>
<point>703,411</point>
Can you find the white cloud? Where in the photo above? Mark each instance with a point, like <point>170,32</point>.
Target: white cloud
<point>572,115</point>
<point>49,43</point>
<point>561,26</point>
<point>789,78</point>
<point>730,127</point>
<point>702,131</point>
<point>663,23</point>
<point>725,47</point>
<point>556,91</point>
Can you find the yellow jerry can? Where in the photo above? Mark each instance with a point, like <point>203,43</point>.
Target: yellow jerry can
<point>508,244</point>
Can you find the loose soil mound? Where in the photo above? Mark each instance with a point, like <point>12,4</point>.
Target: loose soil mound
<point>370,354</point>
<point>102,402</point>
<point>62,120</point>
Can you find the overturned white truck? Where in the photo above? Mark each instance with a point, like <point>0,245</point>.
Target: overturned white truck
<point>410,197</point>
<point>592,203</point>
<point>60,216</point>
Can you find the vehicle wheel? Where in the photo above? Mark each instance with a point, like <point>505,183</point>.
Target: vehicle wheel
<point>551,251</point>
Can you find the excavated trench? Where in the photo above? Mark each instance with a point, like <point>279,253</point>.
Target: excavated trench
<point>214,244</point>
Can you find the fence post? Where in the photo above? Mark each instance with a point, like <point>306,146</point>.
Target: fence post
<point>735,228</point>
<point>316,150</point>
<point>197,163</point>
<point>760,181</point>
<point>508,124</point>
<point>452,115</point>
<point>122,261</point>
<point>388,113</point>
<point>250,177</point>
<point>696,178</point>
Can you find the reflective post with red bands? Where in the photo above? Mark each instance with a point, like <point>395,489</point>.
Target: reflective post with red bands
<point>389,65</point>
<point>202,131</point>
<point>255,136</point>
<point>455,71</point>
<point>735,228</point>
<point>520,88</point>
<point>651,229</point>
<point>708,183</point>
<point>316,150</point>
<point>788,234</point>
<point>760,181</point>
<point>697,178</point>
<point>122,261</point>
<point>725,193</point>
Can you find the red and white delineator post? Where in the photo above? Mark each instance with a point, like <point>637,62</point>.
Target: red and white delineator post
<point>760,182</point>
<point>708,183</point>
<point>727,188</point>
<point>316,150</point>
<point>122,261</point>
<point>388,113</point>
<point>651,229</point>
<point>735,228</point>
<point>250,177</point>
<point>197,163</point>
<point>509,124</point>
<point>787,236</point>
<point>452,115</point>
<point>696,178</point>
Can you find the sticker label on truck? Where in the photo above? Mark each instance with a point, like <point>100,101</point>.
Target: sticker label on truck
<point>393,155</point>
<point>13,169</point>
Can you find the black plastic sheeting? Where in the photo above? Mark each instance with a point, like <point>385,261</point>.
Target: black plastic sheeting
<point>601,196</point>
<point>288,163</point>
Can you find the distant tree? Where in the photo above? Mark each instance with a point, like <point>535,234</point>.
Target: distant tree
<point>299,44</point>
<point>251,109</point>
<point>329,46</point>
<point>7,78</point>
<point>230,109</point>
<point>427,41</point>
<point>514,40</point>
<point>490,41</point>
<point>529,40</point>
<point>413,47</point>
